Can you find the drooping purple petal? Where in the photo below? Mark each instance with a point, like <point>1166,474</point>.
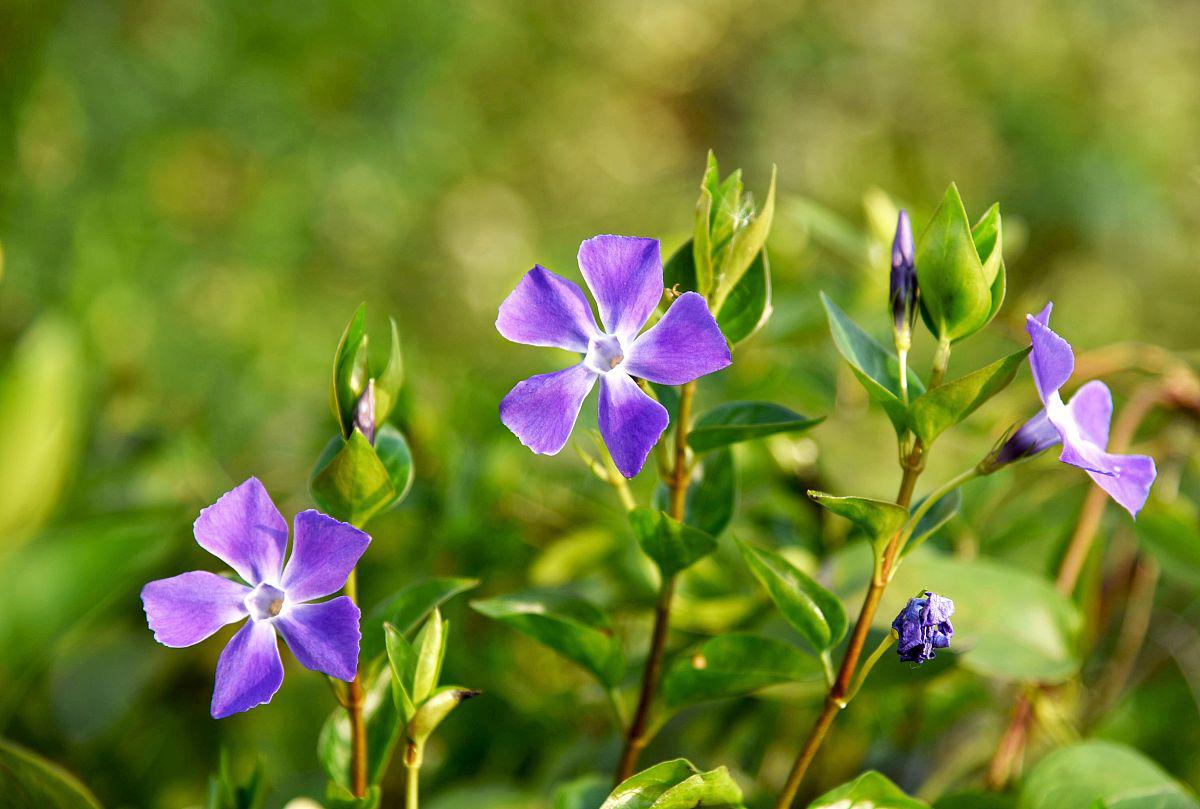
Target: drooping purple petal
<point>1130,481</point>
<point>245,531</point>
<point>1051,360</point>
<point>541,410</point>
<point>685,345</point>
<point>625,274</point>
<point>547,310</point>
<point>187,608</point>
<point>1076,449</point>
<point>630,421</point>
<point>1091,408</point>
<point>324,637</point>
<point>249,671</point>
<point>324,551</point>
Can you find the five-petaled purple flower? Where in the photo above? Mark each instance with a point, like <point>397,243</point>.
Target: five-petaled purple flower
<point>924,625</point>
<point>1081,425</point>
<point>625,275</point>
<point>245,530</point>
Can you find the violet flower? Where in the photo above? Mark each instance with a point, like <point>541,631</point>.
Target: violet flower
<point>1081,425</point>
<point>626,276</point>
<point>903,286</point>
<point>922,626</point>
<point>245,530</point>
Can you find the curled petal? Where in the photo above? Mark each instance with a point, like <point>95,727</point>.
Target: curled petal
<point>541,410</point>
<point>1051,360</point>
<point>1129,482</point>
<point>324,551</point>
<point>625,275</point>
<point>547,310</point>
<point>1076,449</point>
<point>1092,408</point>
<point>245,531</point>
<point>685,345</point>
<point>249,671</point>
<point>630,421</point>
<point>324,637</point>
<point>186,609</point>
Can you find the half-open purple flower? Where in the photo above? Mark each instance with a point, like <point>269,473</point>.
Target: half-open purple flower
<point>625,275</point>
<point>922,626</point>
<point>245,530</point>
<point>1081,425</point>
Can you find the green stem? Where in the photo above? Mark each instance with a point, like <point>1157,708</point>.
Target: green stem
<point>941,362</point>
<point>902,354</point>
<point>869,663</point>
<point>354,710</point>
<point>413,754</point>
<point>929,502</point>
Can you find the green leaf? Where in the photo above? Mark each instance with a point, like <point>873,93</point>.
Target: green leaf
<point>387,386</point>
<point>1171,533</point>
<point>938,515</point>
<point>353,485</point>
<point>680,270</point>
<point>880,519</point>
<point>744,245</point>
<point>813,611</point>
<point>956,294</point>
<point>430,647</point>
<point>869,791</point>
<point>733,422</point>
<point>585,792</point>
<point>989,243</point>
<point>1008,622</point>
<point>383,730</point>
<point>350,370</point>
<point>402,659</point>
<point>748,305</point>
<point>570,626</point>
<point>674,546</point>
<point>1097,772</point>
<point>408,607</point>
<point>436,707</point>
<point>676,785</point>
<point>946,405</point>
<point>712,496</point>
<point>338,796</point>
<point>702,261</point>
<point>392,449</point>
<point>875,367</point>
<point>975,799</point>
<point>733,665</point>
<point>225,792</point>
<point>28,781</point>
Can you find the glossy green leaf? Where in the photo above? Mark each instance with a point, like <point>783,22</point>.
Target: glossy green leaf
<point>350,371</point>
<point>1171,533</point>
<point>676,784</point>
<point>744,245</point>
<point>402,660</point>
<point>391,378</point>
<point>938,515</point>
<point>1098,772</point>
<point>946,405</point>
<point>873,365</point>
<point>869,791</point>
<point>28,781</point>
<point>989,244</point>
<point>679,271</point>
<point>734,422</point>
<point>880,519</point>
<point>383,722</point>
<point>392,448</point>
<point>674,546</point>
<point>570,626</point>
<point>712,495</point>
<point>430,648</point>
<point>702,258</point>
<point>956,296</point>
<point>408,607</point>
<point>747,308</point>
<point>813,611</point>
<point>436,707</point>
<point>353,485</point>
<point>733,665</point>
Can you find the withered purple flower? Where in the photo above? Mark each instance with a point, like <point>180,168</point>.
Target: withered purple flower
<point>626,276</point>
<point>245,530</point>
<point>924,625</point>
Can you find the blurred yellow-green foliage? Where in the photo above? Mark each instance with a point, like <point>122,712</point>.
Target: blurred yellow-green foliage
<point>194,197</point>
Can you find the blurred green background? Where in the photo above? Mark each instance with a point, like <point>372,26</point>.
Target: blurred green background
<point>195,196</point>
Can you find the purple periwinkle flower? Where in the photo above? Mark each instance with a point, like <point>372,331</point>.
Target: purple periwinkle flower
<point>245,530</point>
<point>625,275</point>
<point>924,625</point>
<point>903,287</point>
<point>1081,425</point>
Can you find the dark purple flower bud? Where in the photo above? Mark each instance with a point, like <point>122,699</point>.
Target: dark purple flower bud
<point>903,294</point>
<point>1032,438</point>
<point>924,625</point>
<point>364,413</point>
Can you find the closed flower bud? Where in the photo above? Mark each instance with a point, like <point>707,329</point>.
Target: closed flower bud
<point>903,291</point>
<point>922,626</point>
<point>364,413</point>
<point>1032,438</point>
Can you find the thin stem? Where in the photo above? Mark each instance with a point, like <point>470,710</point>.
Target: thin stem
<point>902,354</point>
<point>941,362</point>
<point>869,664</point>
<point>354,710</point>
<point>929,502</point>
<point>638,737</point>
<point>413,754</point>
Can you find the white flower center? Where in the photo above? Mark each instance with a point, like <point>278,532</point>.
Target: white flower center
<point>604,353</point>
<point>265,602</point>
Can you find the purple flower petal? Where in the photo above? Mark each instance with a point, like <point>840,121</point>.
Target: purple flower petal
<point>630,421</point>
<point>1130,482</point>
<point>625,275</point>
<point>1052,360</point>
<point>245,531</point>
<point>547,310</point>
<point>187,608</point>
<point>1091,408</point>
<point>541,410</point>
<point>324,551</point>
<point>324,637</point>
<point>249,671</point>
<point>685,345</point>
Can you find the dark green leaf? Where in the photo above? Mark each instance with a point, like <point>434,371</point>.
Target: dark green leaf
<point>350,371</point>
<point>938,515</point>
<point>879,518</point>
<point>956,296</point>
<point>732,422</point>
<point>946,405</point>
<point>354,485</point>
<point>570,626</point>
<point>407,608</point>
<point>676,785</point>
<point>812,610</point>
<point>583,793</point>
<point>383,730</point>
<point>387,386</point>
<point>732,665</point>
<point>226,792</point>
<point>1080,776</point>
<point>712,497</point>
<point>748,305</point>
<point>674,546</point>
<point>1171,533</point>
<point>869,791</point>
<point>679,273</point>
<point>392,448</point>
<point>28,781</point>
<point>975,799</point>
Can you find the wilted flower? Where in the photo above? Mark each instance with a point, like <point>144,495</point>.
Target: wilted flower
<point>903,287</point>
<point>626,276</point>
<point>245,530</point>
<point>924,625</point>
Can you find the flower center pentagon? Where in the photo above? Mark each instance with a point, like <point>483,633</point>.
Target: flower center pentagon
<point>264,602</point>
<point>604,353</point>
